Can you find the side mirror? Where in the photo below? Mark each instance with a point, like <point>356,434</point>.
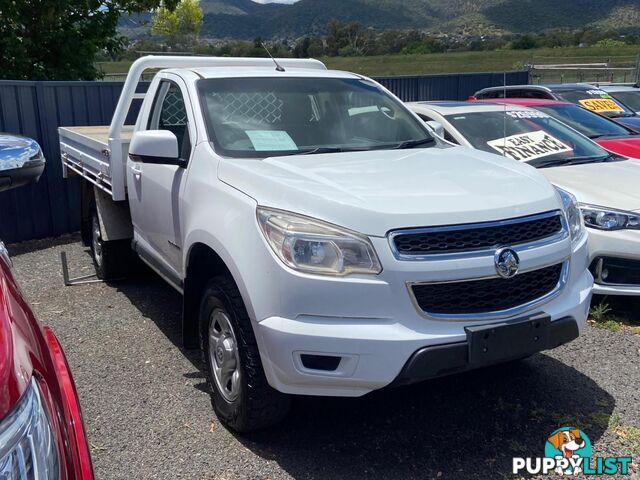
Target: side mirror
<point>437,127</point>
<point>159,147</point>
<point>21,161</point>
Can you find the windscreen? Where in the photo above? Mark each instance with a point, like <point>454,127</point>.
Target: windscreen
<point>597,101</point>
<point>525,135</point>
<point>630,98</point>
<point>587,123</point>
<point>261,117</point>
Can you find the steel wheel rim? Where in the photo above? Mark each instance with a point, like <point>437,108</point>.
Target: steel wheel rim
<point>95,240</point>
<point>224,358</point>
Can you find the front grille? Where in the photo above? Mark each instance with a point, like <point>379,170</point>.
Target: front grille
<point>461,238</point>
<point>485,296</point>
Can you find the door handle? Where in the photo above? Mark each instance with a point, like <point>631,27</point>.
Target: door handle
<point>137,172</point>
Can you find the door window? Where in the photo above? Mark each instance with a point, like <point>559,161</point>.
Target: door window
<point>169,113</point>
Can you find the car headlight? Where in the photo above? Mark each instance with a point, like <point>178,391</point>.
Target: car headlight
<point>27,445</point>
<point>312,246</point>
<point>572,214</point>
<point>609,218</point>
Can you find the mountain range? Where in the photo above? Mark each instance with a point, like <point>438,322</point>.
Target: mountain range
<point>246,19</point>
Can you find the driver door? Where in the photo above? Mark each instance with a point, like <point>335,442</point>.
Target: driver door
<point>155,190</point>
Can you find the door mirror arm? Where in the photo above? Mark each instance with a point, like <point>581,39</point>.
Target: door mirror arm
<point>154,160</point>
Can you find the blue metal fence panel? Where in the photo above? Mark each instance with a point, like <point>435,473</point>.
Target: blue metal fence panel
<point>37,109</point>
<point>457,86</point>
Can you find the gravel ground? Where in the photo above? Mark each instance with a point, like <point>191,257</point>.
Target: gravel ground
<point>148,414</point>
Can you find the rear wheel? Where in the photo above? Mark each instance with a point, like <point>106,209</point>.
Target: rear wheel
<point>241,396</point>
<point>111,258</point>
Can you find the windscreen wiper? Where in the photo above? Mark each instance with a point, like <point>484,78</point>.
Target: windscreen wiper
<point>320,150</point>
<point>570,161</point>
<point>414,143</point>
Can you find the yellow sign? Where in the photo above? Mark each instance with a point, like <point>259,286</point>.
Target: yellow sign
<point>601,105</point>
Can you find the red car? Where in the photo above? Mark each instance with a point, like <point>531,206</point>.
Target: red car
<point>41,431</point>
<point>607,133</point>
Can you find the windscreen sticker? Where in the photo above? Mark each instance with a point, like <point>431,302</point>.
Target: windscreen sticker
<point>529,146</point>
<point>599,93</point>
<point>271,140</point>
<point>360,110</point>
<point>526,114</point>
<point>601,105</point>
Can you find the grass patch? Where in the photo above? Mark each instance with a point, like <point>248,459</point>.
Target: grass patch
<point>457,62</point>
<point>601,316</point>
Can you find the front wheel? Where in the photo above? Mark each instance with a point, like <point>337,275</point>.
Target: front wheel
<point>240,394</point>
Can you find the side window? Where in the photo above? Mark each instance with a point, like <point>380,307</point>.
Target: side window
<point>169,113</point>
<point>491,94</point>
<point>449,138</point>
<point>425,118</point>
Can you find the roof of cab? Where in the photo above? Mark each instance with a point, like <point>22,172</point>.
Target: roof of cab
<point>266,71</point>
<point>454,108</point>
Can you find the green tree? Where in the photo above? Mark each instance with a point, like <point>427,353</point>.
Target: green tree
<point>525,42</point>
<point>180,25</point>
<point>59,40</point>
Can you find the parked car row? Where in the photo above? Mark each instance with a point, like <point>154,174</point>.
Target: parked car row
<point>606,101</point>
<point>326,240</point>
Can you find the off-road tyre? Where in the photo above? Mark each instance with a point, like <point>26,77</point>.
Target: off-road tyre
<point>257,405</point>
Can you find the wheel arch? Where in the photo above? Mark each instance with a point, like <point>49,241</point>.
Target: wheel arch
<point>202,262</point>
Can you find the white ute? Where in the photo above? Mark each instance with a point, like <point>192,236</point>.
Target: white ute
<point>324,241</point>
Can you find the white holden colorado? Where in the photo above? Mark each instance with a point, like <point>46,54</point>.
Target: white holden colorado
<point>324,241</point>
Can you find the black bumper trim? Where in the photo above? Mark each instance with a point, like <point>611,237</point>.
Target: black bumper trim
<point>441,360</point>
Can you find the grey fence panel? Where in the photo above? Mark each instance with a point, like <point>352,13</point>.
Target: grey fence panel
<point>37,109</point>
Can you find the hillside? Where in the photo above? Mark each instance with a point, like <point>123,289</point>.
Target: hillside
<point>247,19</point>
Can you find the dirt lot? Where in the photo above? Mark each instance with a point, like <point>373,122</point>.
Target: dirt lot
<point>149,416</point>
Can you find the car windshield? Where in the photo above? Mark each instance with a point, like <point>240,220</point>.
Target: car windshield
<point>265,117</point>
<point>597,101</point>
<point>526,135</point>
<point>631,98</point>
<point>587,123</point>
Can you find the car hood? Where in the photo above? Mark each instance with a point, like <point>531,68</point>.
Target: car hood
<point>628,146</point>
<point>631,122</point>
<point>376,191</point>
<point>610,184</point>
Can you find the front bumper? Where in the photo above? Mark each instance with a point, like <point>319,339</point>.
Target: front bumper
<point>440,360</point>
<point>373,350</point>
<point>621,244</point>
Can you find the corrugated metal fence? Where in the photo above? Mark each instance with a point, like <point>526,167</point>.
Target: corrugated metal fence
<point>37,109</point>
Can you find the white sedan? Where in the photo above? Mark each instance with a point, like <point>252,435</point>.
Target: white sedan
<point>605,184</point>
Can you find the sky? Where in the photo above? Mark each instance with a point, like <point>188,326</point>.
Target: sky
<point>275,1</point>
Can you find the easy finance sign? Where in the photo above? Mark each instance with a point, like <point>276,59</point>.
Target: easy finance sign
<point>529,146</point>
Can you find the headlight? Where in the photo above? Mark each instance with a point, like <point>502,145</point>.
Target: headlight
<point>27,445</point>
<point>609,219</point>
<point>313,246</point>
<point>572,214</point>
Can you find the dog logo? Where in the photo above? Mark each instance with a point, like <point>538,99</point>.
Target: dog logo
<point>506,262</point>
<point>571,444</point>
